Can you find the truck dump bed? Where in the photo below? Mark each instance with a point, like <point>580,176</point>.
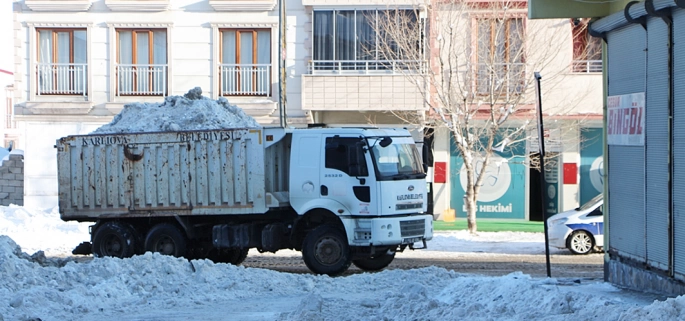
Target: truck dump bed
<point>212,172</point>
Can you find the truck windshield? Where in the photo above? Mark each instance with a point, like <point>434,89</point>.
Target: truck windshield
<point>399,160</point>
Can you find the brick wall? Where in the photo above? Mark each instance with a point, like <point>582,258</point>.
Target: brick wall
<point>12,180</point>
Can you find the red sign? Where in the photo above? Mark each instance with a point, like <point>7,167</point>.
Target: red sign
<point>570,173</point>
<point>440,172</point>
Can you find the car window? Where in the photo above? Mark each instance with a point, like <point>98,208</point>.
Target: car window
<point>591,202</point>
<point>596,212</point>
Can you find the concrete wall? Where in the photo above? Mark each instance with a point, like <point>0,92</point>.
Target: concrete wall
<point>12,179</point>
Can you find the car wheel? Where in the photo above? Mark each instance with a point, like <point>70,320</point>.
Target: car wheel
<point>325,250</point>
<point>580,242</point>
<point>114,239</point>
<point>166,239</point>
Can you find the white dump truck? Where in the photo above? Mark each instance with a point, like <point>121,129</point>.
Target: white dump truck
<point>341,196</point>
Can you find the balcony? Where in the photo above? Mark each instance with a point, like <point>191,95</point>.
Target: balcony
<point>502,79</point>
<point>245,79</point>
<point>61,79</point>
<point>586,66</point>
<point>141,80</point>
<point>366,67</point>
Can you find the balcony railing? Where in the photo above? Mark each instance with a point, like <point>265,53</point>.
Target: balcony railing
<point>586,66</point>
<point>61,79</point>
<point>500,78</point>
<point>366,66</point>
<point>245,79</point>
<point>141,80</point>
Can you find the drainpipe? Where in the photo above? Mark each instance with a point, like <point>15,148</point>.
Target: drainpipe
<point>665,15</point>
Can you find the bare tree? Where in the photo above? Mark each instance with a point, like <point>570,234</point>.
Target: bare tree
<point>473,62</point>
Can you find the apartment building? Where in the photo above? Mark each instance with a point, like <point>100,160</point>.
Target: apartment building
<point>494,51</point>
<point>78,62</point>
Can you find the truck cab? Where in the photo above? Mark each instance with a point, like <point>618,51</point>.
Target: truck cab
<point>371,179</point>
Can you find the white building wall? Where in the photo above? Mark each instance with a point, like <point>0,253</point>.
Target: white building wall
<point>192,58</point>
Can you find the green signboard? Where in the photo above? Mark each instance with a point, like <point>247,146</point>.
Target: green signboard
<point>502,194</point>
<point>591,164</point>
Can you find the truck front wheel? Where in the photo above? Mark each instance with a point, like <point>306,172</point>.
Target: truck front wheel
<point>114,239</point>
<point>166,239</point>
<point>376,263</point>
<point>325,250</point>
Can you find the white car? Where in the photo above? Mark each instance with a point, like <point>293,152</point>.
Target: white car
<point>580,230</point>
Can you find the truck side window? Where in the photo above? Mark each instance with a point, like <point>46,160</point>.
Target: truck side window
<point>346,155</point>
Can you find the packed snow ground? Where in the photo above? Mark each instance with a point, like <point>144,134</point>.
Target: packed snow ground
<point>52,285</point>
<point>191,111</point>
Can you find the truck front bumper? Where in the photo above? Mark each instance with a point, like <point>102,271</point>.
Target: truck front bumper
<point>381,231</point>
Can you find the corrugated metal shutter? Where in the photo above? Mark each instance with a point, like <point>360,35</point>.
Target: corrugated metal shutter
<point>679,142</point>
<point>656,143</point>
<point>626,73</point>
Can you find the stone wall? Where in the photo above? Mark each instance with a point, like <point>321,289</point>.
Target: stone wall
<point>12,180</point>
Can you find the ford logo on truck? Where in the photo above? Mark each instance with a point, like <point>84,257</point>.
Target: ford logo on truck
<point>409,197</point>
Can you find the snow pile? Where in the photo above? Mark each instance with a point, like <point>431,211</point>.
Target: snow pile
<point>157,287</point>
<point>42,230</point>
<point>191,111</point>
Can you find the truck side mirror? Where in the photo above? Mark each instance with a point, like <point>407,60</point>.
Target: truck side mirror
<point>425,168</point>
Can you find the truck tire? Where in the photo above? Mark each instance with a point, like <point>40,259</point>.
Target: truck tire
<point>233,256</point>
<point>114,239</point>
<point>166,239</point>
<point>375,263</point>
<point>325,250</point>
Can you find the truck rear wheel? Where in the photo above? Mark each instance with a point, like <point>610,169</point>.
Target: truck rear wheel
<point>166,239</point>
<point>374,263</point>
<point>325,250</point>
<point>114,239</point>
<point>233,256</point>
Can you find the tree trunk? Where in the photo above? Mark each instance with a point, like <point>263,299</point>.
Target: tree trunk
<point>470,202</point>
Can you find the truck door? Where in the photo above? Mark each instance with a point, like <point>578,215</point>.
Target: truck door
<point>345,175</point>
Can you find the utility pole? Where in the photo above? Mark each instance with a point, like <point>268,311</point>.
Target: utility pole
<point>282,101</point>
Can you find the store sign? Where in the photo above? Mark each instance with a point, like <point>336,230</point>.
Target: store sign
<point>626,120</point>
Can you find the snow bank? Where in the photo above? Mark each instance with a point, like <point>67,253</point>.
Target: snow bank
<point>191,111</point>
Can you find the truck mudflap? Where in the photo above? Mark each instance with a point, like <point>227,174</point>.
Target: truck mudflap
<point>398,230</point>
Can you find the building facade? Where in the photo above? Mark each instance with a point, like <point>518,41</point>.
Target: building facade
<point>503,50</point>
<point>78,62</point>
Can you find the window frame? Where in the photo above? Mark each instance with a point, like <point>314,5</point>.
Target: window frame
<point>368,65</point>
<point>54,55</point>
<point>238,31</point>
<point>134,57</point>
<point>492,41</point>
<point>581,42</point>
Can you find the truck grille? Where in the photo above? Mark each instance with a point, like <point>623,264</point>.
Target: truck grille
<point>412,228</point>
<point>408,206</point>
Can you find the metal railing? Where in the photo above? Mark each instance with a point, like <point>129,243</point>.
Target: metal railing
<point>141,79</point>
<point>61,79</point>
<point>500,78</point>
<point>366,66</point>
<point>245,79</point>
<point>586,66</point>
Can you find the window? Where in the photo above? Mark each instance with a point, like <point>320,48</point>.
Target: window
<point>245,62</point>
<point>348,40</point>
<point>141,62</point>
<point>344,154</point>
<point>500,56</point>
<point>587,50</point>
<point>61,67</point>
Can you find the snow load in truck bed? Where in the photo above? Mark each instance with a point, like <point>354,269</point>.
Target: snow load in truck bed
<point>191,111</point>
